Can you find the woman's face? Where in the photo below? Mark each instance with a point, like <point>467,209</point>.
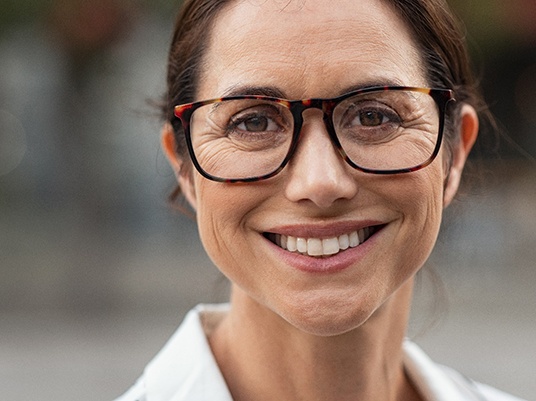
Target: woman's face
<point>310,49</point>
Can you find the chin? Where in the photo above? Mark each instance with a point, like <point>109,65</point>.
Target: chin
<point>329,317</point>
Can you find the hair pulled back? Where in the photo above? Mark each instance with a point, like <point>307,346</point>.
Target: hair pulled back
<point>438,34</point>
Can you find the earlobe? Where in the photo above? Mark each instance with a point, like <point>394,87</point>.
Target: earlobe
<point>184,178</point>
<point>468,132</point>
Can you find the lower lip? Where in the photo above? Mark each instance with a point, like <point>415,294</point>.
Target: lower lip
<point>331,264</point>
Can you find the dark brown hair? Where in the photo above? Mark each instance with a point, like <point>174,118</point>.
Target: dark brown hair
<point>188,45</point>
<point>438,34</point>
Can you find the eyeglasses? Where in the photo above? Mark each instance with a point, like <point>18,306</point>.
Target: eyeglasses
<point>378,130</point>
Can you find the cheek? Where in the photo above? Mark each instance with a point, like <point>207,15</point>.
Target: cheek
<point>216,212</point>
<point>424,201</point>
<point>422,210</point>
<point>222,212</point>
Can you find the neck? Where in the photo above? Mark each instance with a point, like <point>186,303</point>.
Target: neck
<point>264,358</point>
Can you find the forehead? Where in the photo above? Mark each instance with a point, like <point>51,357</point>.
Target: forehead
<point>308,48</point>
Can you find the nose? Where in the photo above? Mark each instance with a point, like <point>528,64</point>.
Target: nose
<point>317,172</point>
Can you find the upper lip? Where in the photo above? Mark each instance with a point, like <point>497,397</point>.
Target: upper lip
<point>323,230</point>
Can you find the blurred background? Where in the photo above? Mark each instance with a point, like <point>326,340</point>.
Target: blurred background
<point>97,271</point>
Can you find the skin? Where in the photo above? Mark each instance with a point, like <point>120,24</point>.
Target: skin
<point>293,334</point>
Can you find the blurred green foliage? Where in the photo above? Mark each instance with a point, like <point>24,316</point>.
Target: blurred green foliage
<point>14,12</point>
<point>20,12</point>
<point>481,17</point>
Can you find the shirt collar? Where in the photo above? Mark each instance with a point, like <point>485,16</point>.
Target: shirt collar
<point>185,369</point>
<point>431,380</point>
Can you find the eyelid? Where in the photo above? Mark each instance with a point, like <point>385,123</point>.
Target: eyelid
<point>268,111</point>
<point>264,109</point>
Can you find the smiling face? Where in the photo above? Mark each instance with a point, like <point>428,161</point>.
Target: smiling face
<point>322,245</point>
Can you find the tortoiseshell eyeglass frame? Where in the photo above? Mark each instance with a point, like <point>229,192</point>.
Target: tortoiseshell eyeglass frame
<point>441,97</point>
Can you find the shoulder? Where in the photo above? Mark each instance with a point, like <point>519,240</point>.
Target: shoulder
<point>437,383</point>
<point>185,368</point>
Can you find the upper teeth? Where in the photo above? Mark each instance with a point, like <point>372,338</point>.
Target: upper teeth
<point>322,247</point>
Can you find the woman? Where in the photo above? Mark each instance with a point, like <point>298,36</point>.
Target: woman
<point>319,211</point>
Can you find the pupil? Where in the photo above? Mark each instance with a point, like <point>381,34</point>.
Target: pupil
<point>256,124</point>
<point>371,118</point>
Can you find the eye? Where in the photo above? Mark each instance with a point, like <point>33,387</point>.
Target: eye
<point>369,121</point>
<point>263,118</point>
<point>256,123</point>
<point>372,117</point>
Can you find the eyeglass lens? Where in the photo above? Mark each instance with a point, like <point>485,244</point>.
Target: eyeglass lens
<point>384,130</point>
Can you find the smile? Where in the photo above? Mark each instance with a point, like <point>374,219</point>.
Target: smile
<point>322,247</point>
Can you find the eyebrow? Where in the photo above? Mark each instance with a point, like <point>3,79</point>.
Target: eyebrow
<point>273,91</point>
<point>241,90</point>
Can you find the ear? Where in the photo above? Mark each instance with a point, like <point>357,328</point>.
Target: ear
<point>179,166</point>
<point>468,133</point>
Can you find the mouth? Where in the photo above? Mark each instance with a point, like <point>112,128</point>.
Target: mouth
<point>323,247</point>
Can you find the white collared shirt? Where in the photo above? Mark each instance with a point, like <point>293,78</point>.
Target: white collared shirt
<point>185,370</point>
